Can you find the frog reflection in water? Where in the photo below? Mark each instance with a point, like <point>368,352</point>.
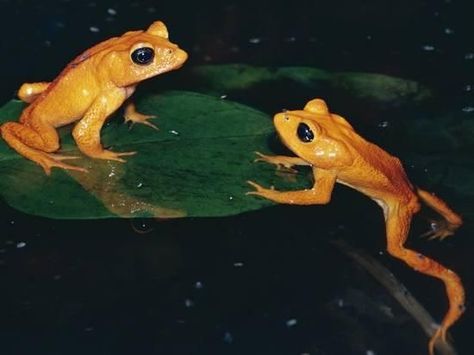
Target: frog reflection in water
<point>88,90</point>
<point>337,154</point>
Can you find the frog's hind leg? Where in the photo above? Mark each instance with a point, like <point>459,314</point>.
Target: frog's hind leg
<point>398,220</point>
<point>28,143</point>
<point>452,220</point>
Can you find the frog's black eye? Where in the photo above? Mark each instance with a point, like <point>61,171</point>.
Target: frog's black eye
<point>305,134</point>
<point>143,56</point>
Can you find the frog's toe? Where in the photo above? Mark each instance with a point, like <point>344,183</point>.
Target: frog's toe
<point>49,161</point>
<point>110,155</point>
<point>133,116</point>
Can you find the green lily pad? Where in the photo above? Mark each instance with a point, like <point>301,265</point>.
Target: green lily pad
<point>197,164</point>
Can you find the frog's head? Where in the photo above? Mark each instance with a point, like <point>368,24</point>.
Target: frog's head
<point>305,133</point>
<point>139,55</point>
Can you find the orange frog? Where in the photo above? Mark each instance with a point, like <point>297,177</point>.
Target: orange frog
<point>337,154</point>
<point>88,90</point>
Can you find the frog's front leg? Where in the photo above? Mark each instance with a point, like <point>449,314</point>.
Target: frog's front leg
<point>282,161</point>
<point>319,194</point>
<point>132,115</point>
<point>28,92</point>
<point>397,221</point>
<point>86,133</point>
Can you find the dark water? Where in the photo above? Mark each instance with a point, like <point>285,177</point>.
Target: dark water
<point>267,282</point>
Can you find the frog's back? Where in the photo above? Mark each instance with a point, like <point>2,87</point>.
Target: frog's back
<point>378,173</point>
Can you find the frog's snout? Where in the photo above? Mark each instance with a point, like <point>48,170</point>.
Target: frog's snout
<point>180,55</point>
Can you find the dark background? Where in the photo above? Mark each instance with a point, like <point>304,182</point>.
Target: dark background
<point>232,285</point>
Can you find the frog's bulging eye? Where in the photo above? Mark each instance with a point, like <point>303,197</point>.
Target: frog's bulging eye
<point>143,56</point>
<point>305,134</point>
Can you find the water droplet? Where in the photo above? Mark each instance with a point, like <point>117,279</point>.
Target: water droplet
<point>228,338</point>
<point>224,96</point>
<point>255,40</point>
<point>468,109</point>
<point>238,264</point>
<point>94,29</point>
<point>176,133</point>
<point>428,48</point>
<point>340,302</point>
<point>111,11</point>
<point>231,198</point>
<point>448,31</point>
<point>20,245</point>
<point>291,322</point>
<point>469,56</point>
<point>370,352</point>
<point>468,87</point>
<point>383,124</point>
<point>188,303</point>
<point>198,285</point>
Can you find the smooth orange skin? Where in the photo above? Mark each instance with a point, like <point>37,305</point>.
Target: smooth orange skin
<point>91,87</point>
<point>337,154</point>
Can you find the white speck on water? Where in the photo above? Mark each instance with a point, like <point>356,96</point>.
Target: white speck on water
<point>176,133</point>
<point>223,97</point>
<point>12,222</point>
<point>255,40</point>
<point>198,285</point>
<point>369,37</point>
<point>291,322</point>
<point>290,39</point>
<point>370,352</point>
<point>20,245</point>
<point>94,29</point>
<point>112,174</point>
<point>57,277</point>
<point>111,11</point>
<point>468,87</point>
<point>381,252</point>
<point>231,198</point>
<point>448,31</point>
<point>428,48</point>
<point>469,56</point>
<point>151,9</point>
<point>238,264</point>
<point>340,302</point>
<point>140,184</point>
<point>468,109</point>
<point>188,303</point>
<point>383,124</point>
<point>228,338</point>
<point>89,329</point>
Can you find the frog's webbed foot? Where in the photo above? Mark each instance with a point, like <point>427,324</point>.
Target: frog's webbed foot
<point>282,163</point>
<point>49,160</point>
<point>440,229</point>
<point>131,115</point>
<point>438,336</point>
